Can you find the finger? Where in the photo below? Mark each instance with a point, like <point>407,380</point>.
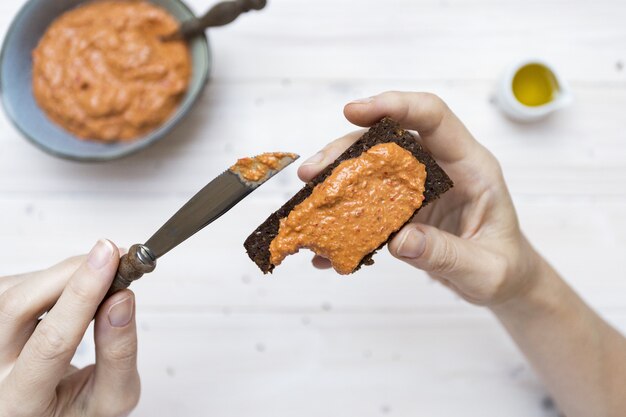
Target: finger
<point>70,370</point>
<point>116,385</point>
<point>465,264</point>
<point>48,352</point>
<point>443,134</point>
<point>315,164</point>
<point>320,262</point>
<point>23,303</point>
<point>8,282</point>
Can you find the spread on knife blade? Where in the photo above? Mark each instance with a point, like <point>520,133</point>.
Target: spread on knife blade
<point>256,168</point>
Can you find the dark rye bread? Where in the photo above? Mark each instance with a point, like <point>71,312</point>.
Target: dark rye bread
<point>437,182</point>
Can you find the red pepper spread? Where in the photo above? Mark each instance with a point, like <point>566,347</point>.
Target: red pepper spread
<point>356,209</point>
<point>255,168</point>
<point>102,72</point>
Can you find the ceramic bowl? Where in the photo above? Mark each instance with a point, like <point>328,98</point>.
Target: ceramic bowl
<point>27,28</point>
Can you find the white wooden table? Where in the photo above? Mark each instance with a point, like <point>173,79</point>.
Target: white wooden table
<point>219,339</point>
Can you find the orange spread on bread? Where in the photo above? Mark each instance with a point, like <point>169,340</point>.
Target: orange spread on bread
<point>355,209</point>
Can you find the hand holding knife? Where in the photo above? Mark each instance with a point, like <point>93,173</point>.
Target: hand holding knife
<point>215,199</point>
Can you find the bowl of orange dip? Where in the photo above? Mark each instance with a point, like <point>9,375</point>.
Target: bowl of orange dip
<point>94,81</point>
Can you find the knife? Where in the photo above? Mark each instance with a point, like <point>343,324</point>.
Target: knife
<point>215,199</point>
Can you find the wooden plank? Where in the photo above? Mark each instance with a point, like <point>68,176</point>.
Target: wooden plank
<point>583,238</point>
<point>426,39</point>
<point>581,149</point>
<point>332,364</point>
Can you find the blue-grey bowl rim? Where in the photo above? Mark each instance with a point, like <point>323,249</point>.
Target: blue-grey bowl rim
<point>158,133</point>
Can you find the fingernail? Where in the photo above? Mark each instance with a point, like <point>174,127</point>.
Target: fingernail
<point>412,245</point>
<point>121,312</point>
<point>315,159</point>
<point>101,254</point>
<point>366,100</point>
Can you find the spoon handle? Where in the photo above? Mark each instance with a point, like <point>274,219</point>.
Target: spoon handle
<point>219,15</point>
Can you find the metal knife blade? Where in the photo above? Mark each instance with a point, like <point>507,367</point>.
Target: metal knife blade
<point>215,199</point>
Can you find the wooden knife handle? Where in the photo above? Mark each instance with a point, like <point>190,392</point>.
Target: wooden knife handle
<point>138,261</point>
<point>221,14</point>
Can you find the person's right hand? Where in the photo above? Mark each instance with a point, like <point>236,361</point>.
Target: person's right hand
<point>36,378</point>
<point>469,239</point>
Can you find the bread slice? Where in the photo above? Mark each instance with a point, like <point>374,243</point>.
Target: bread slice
<point>387,130</point>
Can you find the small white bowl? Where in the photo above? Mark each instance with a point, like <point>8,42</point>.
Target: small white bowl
<point>516,110</point>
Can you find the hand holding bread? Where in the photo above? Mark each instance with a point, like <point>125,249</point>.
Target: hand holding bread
<point>470,239</point>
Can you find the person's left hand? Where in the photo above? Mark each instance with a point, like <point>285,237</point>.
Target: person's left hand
<point>36,378</point>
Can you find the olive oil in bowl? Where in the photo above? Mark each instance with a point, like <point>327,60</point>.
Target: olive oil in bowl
<point>535,85</point>
<point>530,90</point>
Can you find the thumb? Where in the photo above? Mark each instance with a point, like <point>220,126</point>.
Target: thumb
<point>469,268</point>
<point>116,384</point>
